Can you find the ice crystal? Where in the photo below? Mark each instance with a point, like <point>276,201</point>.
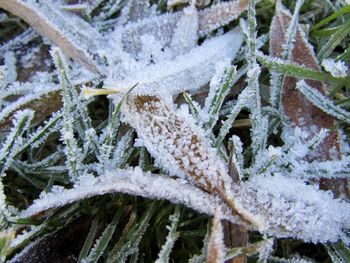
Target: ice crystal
<point>184,40</point>
<point>176,143</point>
<point>163,26</point>
<point>338,68</point>
<point>49,21</point>
<point>283,87</point>
<point>182,148</point>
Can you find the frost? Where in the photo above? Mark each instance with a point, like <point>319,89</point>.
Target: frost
<point>41,91</point>
<point>181,148</point>
<point>172,236</point>
<point>177,144</point>
<point>338,68</point>
<point>3,76</point>
<point>163,26</point>
<point>10,62</point>
<point>14,139</point>
<point>135,182</point>
<point>26,235</point>
<point>185,72</point>
<point>49,20</point>
<point>185,36</point>
<point>294,209</point>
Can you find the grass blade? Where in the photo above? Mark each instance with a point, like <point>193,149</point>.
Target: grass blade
<point>322,102</point>
<point>295,70</point>
<point>103,241</point>
<point>334,41</point>
<point>89,240</point>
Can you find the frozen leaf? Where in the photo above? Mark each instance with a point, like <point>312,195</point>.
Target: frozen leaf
<point>50,22</point>
<point>181,147</point>
<point>136,10</point>
<point>163,26</point>
<point>300,111</point>
<point>220,15</point>
<point>185,72</point>
<point>185,36</point>
<point>291,214</point>
<point>34,101</point>
<point>3,76</point>
<point>134,182</point>
<point>177,144</point>
<point>10,62</point>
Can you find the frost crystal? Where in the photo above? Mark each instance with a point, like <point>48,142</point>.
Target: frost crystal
<point>338,68</point>
<point>294,209</point>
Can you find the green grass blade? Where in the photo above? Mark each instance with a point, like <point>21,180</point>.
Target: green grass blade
<point>193,107</point>
<point>101,244</point>
<point>220,95</point>
<point>9,148</point>
<point>89,240</point>
<point>164,254</point>
<point>291,69</point>
<point>42,133</point>
<point>335,15</point>
<point>132,238</point>
<point>334,41</point>
<point>338,252</point>
<point>112,126</point>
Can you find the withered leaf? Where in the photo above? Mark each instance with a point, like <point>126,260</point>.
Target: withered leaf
<point>301,112</point>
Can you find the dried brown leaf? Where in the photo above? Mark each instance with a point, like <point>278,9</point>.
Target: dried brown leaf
<point>42,106</point>
<point>39,21</point>
<point>163,26</point>
<point>219,15</point>
<point>301,112</point>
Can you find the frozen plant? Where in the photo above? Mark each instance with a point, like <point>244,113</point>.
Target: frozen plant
<point>150,144</point>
